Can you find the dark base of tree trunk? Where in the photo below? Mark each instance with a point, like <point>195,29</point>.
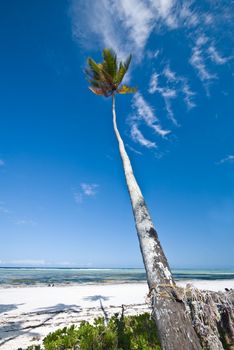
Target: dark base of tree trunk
<point>173,321</point>
<point>212,315</point>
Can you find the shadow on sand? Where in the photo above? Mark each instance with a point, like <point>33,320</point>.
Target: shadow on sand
<point>11,329</point>
<point>58,308</point>
<point>96,298</point>
<point>8,307</point>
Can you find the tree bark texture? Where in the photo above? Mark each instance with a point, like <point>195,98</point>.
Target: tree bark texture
<point>173,322</point>
<point>212,314</point>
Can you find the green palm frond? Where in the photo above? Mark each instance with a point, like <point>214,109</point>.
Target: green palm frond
<point>94,67</point>
<point>123,67</point>
<point>105,78</point>
<point>110,62</point>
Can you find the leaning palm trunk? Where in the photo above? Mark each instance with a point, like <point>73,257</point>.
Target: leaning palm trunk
<point>174,325</point>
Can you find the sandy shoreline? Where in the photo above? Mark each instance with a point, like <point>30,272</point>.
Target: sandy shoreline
<point>30,313</point>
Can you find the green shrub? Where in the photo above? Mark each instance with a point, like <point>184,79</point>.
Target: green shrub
<point>124,333</point>
<point>65,338</point>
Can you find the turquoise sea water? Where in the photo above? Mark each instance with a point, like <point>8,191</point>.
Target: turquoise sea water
<point>61,276</point>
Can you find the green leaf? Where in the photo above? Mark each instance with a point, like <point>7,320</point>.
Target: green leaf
<point>110,62</point>
<point>123,67</point>
<point>127,62</point>
<point>95,67</point>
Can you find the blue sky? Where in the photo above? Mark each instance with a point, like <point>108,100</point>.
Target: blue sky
<point>63,198</point>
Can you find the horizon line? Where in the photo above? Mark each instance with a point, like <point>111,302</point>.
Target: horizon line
<point>113,268</point>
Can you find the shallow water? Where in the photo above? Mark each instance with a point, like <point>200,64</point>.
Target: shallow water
<point>60,276</point>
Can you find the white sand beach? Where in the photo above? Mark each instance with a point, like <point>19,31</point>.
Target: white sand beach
<point>30,313</point>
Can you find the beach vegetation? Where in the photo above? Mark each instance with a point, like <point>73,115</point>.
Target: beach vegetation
<point>120,333</point>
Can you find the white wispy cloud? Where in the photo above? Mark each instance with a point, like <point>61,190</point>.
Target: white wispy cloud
<point>175,86</point>
<point>153,84</point>
<point>187,16</point>
<point>163,10</point>
<point>188,95</point>
<point>152,54</point>
<point>215,56</point>
<point>228,159</point>
<point>178,84</point>
<point>167,95</point>
<point>137,19</point>
<point>198,61</point>
<point>169,74</point>
<point>203,53</point>
<point>86,190</point>
<point>170,112</point>
<point>2,163</point>
<point>89,189</point>
<point>144,112</point>
<point>133,149</point>
<point>126,25</point>
<point>109,22</point>
<point>201,40</point>
<point>138,137</point>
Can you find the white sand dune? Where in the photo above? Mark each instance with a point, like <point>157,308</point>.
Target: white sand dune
<point>27,314</point>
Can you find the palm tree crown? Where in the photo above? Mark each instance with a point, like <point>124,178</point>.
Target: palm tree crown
<point>105,78</point>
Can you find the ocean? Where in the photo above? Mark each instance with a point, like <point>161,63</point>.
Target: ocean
<point>19,276</point>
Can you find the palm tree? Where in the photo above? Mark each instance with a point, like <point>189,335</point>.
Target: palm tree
<point>173,324</point>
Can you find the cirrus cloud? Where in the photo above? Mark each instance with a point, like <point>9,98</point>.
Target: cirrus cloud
<point>86,190</point>
<point>228,159</point>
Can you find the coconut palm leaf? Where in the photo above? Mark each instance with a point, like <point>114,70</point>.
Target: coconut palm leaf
<point>93,66</point>
<point>123,67</point>
<point>110,62</point>
<point>96,91</point>
<point>105,78</point>
<point>125,89</point>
